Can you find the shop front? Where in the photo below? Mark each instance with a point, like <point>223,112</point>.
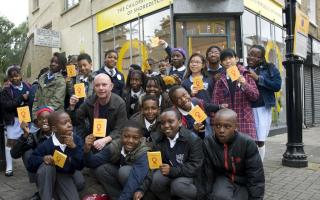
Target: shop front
<point>131,27</point>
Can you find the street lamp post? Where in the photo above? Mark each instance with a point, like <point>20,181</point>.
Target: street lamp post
<point>294,155</point>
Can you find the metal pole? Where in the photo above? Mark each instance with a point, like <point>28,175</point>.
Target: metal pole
<point>294,155</point>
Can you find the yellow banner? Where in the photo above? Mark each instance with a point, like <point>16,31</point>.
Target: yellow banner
<point>126,11</point>
<point>270,9</point>
<point>302,22</point>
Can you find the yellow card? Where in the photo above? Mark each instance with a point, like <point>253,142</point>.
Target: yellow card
<point>79,90</point>
<point>233,73</point>
<point>154,159</point>
<point>24,114</point>
<point>71,70</point>
<point>155,41</point>
<point>198,114</point>
<point>99,127</point>
<point>198,83</point>
<point>59,158</point>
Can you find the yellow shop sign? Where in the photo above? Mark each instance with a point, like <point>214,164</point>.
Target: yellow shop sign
<point>270,9</point>
<point>126,11</point>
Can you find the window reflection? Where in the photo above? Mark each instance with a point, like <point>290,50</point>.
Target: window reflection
<point>197,36</point>
<point>134,39</point>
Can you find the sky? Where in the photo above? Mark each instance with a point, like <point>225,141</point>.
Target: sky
<point>15,10</point>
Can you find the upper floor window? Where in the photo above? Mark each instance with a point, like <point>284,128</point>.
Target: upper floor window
<point>70,3</point>
<point>312,11</point>
<point>35,4</point>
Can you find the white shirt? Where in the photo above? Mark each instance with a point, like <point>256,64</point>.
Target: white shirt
<point>148,124</point>
<point>57,143</point>
<point>83,79</point>
<point>173,141</point>
<point>20,87</point>
<point>183,112</point>
<point>112,72</point>
<point>136,93</point>
<point>179,69</point>
<point>123,152</point>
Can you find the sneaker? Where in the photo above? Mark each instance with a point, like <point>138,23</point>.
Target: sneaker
<point>36,196</point>
<point>9,173</point>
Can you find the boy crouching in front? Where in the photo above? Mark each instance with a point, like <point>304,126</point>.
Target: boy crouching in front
<point>121,166</point>
<point>54,176</point>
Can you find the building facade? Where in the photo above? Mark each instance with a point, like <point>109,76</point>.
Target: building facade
<point>132,27</point>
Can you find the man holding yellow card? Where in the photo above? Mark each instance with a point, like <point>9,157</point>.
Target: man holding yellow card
<point>122,165</point>
<point>14,98</point>
<point>103,105</point>
<point>56,160</point>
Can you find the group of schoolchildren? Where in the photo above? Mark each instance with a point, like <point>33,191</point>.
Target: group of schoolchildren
<point>218,158</point>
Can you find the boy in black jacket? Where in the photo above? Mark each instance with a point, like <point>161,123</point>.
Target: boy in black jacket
<point>182,158</point>
<point>54,181</point>
<point>232,163</point>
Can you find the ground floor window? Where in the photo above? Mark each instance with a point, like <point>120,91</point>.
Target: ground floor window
<point>135,40</point>
<point>197,35</point>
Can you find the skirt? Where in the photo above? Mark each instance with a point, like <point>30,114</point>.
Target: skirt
<point>14,131</point>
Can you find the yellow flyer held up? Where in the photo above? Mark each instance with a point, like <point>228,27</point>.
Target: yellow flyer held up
<point>198,114</point>
<point>198,83</point>
<point>71,71</point>
<point>99,127</point>
<point>79,90</point>
<point>155,42</point>
<point>59,158</point>
<point>233,73</point>
<point>24,114</point>
<point>154,159</point>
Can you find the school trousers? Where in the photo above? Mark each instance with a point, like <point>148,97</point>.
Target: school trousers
<point>57,185</point>
<point>224,189</point>
<point>112,178</point>
<point>166,188</point>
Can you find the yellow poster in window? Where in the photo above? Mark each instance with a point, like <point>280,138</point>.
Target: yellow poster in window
<point>198,114</point>
<point>154,159</point>
<point>24,114</point>
<point>59,158</point>
<point>79,90</point>
<point>71,70</point>
<point>99,127</point>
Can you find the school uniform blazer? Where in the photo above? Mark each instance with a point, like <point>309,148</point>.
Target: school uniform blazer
<point>24,144</point>
<point>126,96</point>
<point>192,159</point>
<point>73,162</point>
<point>241,103</point>
<point>238,160</point>
<point>50,94</point>
<point>204,94</point>
<point>116,116</point>
<point>9,103</point>
<point>192,148</point>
